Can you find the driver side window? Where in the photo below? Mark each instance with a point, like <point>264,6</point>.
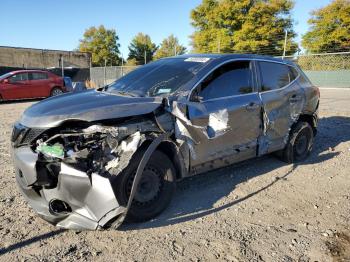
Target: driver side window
<point>18,77</point>
<point>231,79</point>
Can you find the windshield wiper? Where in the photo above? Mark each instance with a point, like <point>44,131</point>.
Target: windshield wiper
<point>126,93</point>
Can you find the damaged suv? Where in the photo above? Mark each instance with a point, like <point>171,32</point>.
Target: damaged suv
<point>89,160</point>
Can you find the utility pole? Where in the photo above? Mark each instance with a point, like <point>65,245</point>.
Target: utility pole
<point>145,57</point>
<point>219,43</point>
<point>104,73</point>
<point>175,49</point>
<point>62,66</point>
<point>122,64</point>
<point>285,44</point>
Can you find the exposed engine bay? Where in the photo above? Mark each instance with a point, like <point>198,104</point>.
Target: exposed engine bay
<point>74,165</point>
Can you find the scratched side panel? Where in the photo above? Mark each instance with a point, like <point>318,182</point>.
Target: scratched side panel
<point>281,108</point>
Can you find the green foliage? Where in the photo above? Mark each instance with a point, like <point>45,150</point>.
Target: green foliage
<point>169,47</point>
<point>140,44</point>
<point>250,26</point>
<point>131,62</point>
<point>329,28</point>
<point>103,44</point>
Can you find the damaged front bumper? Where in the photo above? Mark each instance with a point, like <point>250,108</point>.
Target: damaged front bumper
<point>79,201</point>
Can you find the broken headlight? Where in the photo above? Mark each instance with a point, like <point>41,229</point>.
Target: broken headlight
<point>22,135</point>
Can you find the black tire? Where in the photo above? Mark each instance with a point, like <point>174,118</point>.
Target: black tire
<point>299,144</point>
<point>155,189</point>
<point>56,91</point>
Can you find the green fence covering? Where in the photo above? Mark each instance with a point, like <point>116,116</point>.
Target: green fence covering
<point>338,78</point>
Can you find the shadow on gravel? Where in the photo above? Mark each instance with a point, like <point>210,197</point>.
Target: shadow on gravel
<point>31,241</point>
<point>197,196</point>
<point>21,101</point>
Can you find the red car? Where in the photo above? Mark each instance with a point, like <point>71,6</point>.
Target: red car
<point>30,84</point>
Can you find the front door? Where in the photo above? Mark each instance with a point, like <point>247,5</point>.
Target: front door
<point>16,87</point>
<point>228,104</point>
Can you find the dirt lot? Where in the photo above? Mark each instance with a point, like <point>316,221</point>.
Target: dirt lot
<point>260,210</point>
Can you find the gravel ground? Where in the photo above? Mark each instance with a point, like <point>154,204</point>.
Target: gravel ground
<point>259,210</point>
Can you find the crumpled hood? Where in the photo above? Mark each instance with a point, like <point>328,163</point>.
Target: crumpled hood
<point>88,106</point>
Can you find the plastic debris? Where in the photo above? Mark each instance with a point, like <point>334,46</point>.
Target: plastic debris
<point>55,150</point>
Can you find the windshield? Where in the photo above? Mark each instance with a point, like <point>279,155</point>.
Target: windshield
<point>158,78</point>
<point>5,76</point>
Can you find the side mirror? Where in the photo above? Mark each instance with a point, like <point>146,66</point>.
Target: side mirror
<point>6,81</point>
<point>196,98</point>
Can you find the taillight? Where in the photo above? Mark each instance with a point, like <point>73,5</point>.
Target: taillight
<point>318,92</point>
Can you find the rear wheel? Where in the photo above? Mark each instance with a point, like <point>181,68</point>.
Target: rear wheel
<point>155,188</point>
<point>299,144</point>
<point>56,91</point>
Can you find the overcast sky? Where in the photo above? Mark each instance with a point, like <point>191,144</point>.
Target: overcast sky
<point>60,24</point>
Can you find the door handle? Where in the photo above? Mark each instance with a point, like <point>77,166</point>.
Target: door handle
<point>294,98</point>
<point>252,106</point>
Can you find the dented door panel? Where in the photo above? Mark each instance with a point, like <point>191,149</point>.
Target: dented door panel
<point>242,131</point>
<point>282,108</point>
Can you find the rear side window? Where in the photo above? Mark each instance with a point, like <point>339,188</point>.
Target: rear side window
<point>228,80</point>
<point>38,76</point>
<point>18,77</point>
<point>294,72</point>
<point>275,75</point>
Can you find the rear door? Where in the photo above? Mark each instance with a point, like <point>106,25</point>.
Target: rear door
<point>227,92</point>
<point>39,83</point>
<point>16,87</point>
<point>283,100</point>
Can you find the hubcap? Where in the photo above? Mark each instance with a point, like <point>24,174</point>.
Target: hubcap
<point>149,187</point>
<point>56,92</point>
<point>301,144</point>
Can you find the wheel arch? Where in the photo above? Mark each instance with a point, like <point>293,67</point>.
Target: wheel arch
<point>310,119</point>
<point>170,149</point>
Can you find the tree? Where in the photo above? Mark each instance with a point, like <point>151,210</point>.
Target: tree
<point>329,28</point>
<point>141,45</point>
<point>170,47</point>
<point>131,62</point>
<point>103,44</point>
<point>249,26</point>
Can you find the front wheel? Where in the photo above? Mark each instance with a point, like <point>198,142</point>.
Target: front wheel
<point>56,91</point>
<point>299,144</point>
<point>155,188</point>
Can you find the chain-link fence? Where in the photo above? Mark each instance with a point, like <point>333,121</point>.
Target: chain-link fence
<point>101,76</point>
<point>326,70</point>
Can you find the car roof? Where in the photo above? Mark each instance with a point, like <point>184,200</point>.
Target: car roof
<point>28,71</point>
<point>236,56</point>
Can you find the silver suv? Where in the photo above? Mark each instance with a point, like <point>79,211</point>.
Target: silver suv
<point>91,159</point>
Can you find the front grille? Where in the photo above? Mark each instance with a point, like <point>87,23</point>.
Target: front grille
<point>22,135</point>
<point>31,135</point>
